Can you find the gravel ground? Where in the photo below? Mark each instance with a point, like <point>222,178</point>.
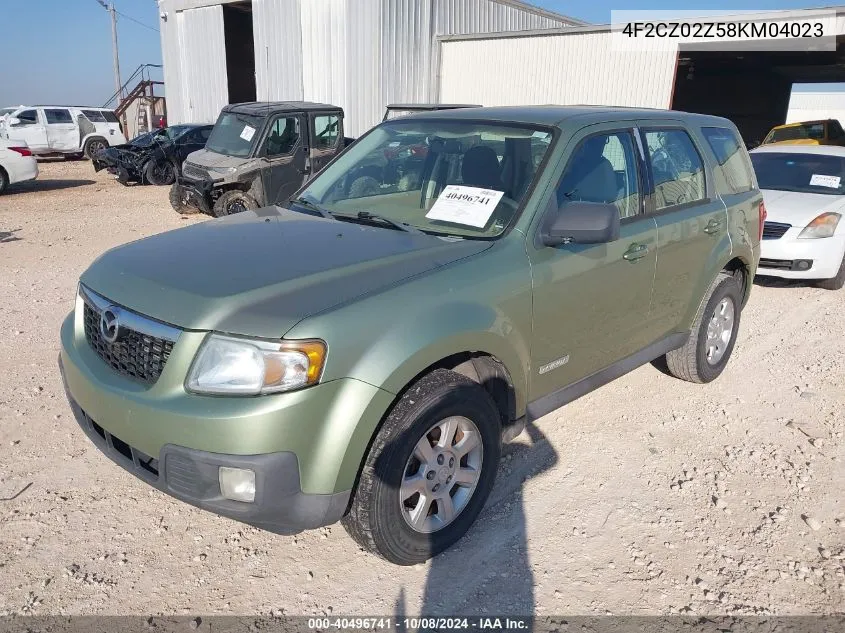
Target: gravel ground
<point>649,496</point>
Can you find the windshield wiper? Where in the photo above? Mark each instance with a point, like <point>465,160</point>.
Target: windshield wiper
<point>313,206</point>
<point>366,216</point>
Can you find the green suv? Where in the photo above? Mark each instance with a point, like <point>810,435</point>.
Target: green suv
<point>360,356</point>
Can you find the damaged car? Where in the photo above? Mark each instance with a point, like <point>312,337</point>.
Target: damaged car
<point>154,158</point>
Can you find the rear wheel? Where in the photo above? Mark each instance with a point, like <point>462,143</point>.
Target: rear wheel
<point>705,354</point>
<point>234,201</point>
<point>4,180</point>
<point>834,283</point>
<point>429,470</point>
<point>93,146</point>
<point>159,172</point>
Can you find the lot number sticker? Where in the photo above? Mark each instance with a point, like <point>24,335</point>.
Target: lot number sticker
<point>818,180</point>
<point>459,204</point>
<point>247,133</point>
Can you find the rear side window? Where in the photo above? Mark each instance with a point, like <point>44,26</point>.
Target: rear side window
<point>731,157</point>
<point>27,117</point>
<point>95,116</point>
<point>57,116</point>
<point>603,169</point>
<point>677,168</point>
<point>109,116</point>
<point>325,131</point>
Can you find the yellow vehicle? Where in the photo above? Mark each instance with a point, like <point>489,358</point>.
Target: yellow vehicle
<point>826,132</point>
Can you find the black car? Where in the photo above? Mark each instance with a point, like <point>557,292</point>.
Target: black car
<point>153,158</point>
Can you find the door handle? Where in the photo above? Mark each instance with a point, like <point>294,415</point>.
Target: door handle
<point>713,227</point>
<point>635,252</point>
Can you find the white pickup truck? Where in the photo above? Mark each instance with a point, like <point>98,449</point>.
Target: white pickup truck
<point>71,130</point>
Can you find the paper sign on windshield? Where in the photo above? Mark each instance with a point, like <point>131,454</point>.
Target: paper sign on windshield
<point>459,204</point>
<point>247,133</point>
<point>819,180</point>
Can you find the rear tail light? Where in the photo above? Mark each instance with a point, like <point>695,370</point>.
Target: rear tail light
<point>763,216</point>
<point>23,151</point>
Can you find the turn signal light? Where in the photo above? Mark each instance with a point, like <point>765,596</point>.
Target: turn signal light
<point>763,216</point>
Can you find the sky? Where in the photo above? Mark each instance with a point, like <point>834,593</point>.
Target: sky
<point>59,51</point>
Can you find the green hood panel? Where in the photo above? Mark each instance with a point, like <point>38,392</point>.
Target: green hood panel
<point>259,273</point>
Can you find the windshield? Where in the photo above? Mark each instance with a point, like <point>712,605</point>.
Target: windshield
<point>805,131</point>
<point>234,134</point>
<point>456,178</point>
<point>805,173</point>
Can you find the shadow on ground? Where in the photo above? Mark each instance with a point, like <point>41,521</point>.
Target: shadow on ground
<point>45,185</point>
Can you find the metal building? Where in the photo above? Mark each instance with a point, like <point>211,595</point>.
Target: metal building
<point>579,65</point>
<point>358,54</point>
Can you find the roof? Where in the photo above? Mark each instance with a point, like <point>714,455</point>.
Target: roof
<point>261,108</point>
<point>430,106</point>
<point>777,148</point>
<point>78,107</point>
<point>555,115</point>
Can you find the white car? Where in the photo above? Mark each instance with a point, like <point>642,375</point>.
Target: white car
<point>804,192</point>
<point>16,164</point>
<point>63,129</point>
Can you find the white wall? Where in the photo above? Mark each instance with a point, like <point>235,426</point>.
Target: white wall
<point>812,106</point>
<point>566,69</point>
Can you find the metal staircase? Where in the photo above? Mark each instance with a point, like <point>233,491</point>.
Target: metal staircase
<point>140,100</point>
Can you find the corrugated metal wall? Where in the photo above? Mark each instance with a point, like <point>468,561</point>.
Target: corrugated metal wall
<point>203,64</point>
<point>278,49</point>
<point>358,54</point>
<point>577,68</point>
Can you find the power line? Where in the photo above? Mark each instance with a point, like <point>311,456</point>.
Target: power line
<point>131,19</point>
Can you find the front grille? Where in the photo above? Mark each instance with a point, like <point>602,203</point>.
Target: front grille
<point>774,230</point>
<point>786,264</point>
<point>135,354</point>
<point>126,455</point>
<point>189,170</point>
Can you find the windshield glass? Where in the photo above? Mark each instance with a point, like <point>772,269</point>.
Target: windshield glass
<point>806,173</point>
<point>234,134</point>
<point>806,131</point>
<point>457,178</point>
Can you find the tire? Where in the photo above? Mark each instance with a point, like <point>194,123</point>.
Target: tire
<point>233,201</point>
<point>4,181</point>
<point>159,173</point>
<point>378,519</point>
<point>363,186</point>
<point>834,283</point>
<point>92,146</point>
<point>691,362</point>
<point>176,202</point>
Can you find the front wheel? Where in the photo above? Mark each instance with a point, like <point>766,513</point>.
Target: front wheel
<point>177,201</point>
<point>705,354</point>
<point>429,470</point>
<point>159,172</point>
<point>233,201</point>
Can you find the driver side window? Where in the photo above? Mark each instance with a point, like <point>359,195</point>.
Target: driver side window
<point>27,117</point>
<point>283,136</point>
<point>677,168</point>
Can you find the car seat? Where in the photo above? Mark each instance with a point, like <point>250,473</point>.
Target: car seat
<point>480,168</point>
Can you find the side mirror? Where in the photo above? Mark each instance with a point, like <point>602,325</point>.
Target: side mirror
<point>583,223</point>
<point>13,121</point>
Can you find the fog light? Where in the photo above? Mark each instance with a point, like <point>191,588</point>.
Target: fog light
<point>237,484</point>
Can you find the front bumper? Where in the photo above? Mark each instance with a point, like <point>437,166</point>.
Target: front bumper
<point>780,257</point>
<point>196,193</point>
<point>304,446</point>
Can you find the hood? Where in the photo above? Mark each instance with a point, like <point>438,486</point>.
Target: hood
<point>208,159</point>
<point>796,141</point>
<point>799,209</point>
<point>258,273</point>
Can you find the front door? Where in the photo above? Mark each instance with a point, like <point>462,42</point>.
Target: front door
<point>591,301</point>
<point>284,159</point>
<point>31,129</point>
<point>326,137</point>
<point>62,130</point>
<point>691,222</point>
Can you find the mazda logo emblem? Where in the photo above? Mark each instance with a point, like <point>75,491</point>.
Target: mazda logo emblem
<point>110,324</point>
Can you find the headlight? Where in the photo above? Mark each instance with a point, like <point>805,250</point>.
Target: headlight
<point>227,365</point>
<point>822,226</point>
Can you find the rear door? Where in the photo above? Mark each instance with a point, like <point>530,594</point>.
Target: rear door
<point>691,221</point>
<point>591,301</point>
<point>283,155</point>
<point>62,130</point>
<point>326,136</point>
<point>31,129</point>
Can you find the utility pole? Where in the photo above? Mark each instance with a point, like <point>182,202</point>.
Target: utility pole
<point>110,8</point>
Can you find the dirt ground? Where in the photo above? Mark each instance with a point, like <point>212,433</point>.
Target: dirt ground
<point>649,496</point>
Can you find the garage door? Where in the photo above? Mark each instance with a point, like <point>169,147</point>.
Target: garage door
<point>202,46</point>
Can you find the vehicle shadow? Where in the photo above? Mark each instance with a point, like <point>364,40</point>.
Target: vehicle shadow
<point>780,282</point>
<point>489,570</point>
<point>45,185</point>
